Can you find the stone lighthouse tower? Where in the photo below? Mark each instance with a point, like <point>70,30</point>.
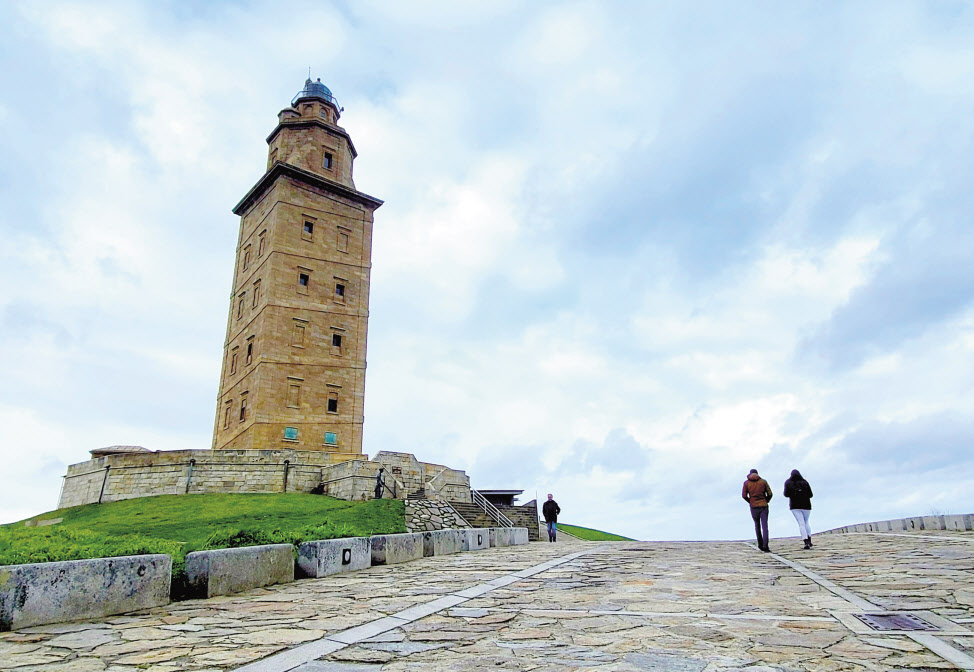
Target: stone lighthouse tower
<point>294,360</point>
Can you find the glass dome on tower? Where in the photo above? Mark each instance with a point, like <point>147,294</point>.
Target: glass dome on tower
<point>315,90</point>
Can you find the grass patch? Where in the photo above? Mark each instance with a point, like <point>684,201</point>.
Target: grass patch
<point>178,524</point>
<point>591,535</point>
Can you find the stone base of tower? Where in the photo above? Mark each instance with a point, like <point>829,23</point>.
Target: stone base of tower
<point>127,474</point>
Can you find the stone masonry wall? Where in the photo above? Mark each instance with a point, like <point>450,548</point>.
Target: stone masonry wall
<point>177,472</point>
<point>423,515</point>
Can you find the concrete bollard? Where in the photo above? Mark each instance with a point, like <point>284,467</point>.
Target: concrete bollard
<point>333,556</point>
<point>447,542</point>
<point>477,539</point>
<point>232,570</point>
<point>519,536</point>
<point>53,592</point>
<point>388,549</point>
<point>500,537</point>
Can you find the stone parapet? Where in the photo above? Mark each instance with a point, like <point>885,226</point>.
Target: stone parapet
<point>232,570</point>
<point>958,522</point>
<point>177,472</point>
<point>53,592</point>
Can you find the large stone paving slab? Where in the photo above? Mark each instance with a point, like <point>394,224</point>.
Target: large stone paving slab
<point>705,607</point>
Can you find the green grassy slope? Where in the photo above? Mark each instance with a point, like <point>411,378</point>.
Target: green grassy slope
<point>177,524</point>
<point>590,534</point>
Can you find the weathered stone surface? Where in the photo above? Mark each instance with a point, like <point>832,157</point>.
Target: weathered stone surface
<point>476,539</point>
<point>388,549</point>
<point>232,570</point>
<point>519,536</point>
<point>500,536</point>
<point>446,542</point>
<point>52,592</point>
<point>332,556</point>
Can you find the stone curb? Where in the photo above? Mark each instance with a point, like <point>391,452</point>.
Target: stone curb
<point>72,590</point>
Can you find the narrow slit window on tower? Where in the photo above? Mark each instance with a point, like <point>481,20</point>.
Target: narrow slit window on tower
<point>228,413</point>
<point>333,402</point>
<point>261,240</point>
<point>308,232</point>
<point>240,305</point>
<point>246,258</point>
<point>250,350</point>
<point>233,360</point>
<point>340,292</point>
<point>294,392</point>
<point>304,280</point>
<point>326,160</point>
<point>297,334</point>
<point>336,344</point>
<point>342,240</point>
<point>243,407</point>
<point>256,293</point>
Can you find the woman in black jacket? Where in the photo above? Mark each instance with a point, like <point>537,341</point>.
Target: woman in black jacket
<point>799,494</point>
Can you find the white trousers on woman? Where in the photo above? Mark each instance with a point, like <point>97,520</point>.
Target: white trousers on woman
<point>801,515</point>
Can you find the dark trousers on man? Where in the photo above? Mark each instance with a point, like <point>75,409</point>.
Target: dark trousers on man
<point>760,516</point>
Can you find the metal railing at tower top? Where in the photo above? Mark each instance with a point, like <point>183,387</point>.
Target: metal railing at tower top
<point>490,510</point>
<point>316,90</point>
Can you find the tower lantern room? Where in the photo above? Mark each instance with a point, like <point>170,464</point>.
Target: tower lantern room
<point>308,135</point>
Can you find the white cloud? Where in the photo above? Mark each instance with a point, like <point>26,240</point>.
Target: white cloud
<point>625,255</point>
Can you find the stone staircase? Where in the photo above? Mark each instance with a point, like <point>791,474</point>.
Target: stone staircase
<point>473,514</point>
<point>521,516</point>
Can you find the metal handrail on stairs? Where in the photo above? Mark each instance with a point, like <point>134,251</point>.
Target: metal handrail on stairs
<point>489,509</point>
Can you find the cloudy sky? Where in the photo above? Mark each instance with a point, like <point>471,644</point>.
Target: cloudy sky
<point>628,252</point>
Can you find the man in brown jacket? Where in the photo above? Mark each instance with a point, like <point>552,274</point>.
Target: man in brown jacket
<point>757,493</point>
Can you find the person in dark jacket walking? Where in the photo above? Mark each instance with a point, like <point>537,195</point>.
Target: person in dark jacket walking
<point>380,483</point>
<point>550,511</point>
<point>757,493</point>
<point>799,494</point>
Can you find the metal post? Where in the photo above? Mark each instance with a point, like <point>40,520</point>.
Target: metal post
<point>104,483</point>
<point>287,464</point>
<point>189,476</point>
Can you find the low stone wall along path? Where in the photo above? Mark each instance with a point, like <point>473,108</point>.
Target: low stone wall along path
<point>573,605</point>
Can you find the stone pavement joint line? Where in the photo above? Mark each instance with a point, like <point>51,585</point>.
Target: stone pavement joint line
<point>934,644</point>
<point>306,653</point>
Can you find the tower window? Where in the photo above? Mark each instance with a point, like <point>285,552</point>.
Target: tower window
<point>304,279</point>
<point>339,292</point>
<point>342,240</point>
<point>309,229</point>
<point>297,335</point>
<point>336,340</point>
<point>233,361</point>
<point>290,433</point>
<point>227,413</point>
<point>250,350</point>
<point>331,438</point>
<point>243,409</point>
<point>326,161</point>
<point>240,305</point>
<point>246,259</point>
<point>256,293</point>
<point>262,238</point>
<point>293,394</point>
<point>333,402</point>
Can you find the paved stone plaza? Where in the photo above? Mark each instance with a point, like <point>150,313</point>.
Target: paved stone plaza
<point>687,607</point>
